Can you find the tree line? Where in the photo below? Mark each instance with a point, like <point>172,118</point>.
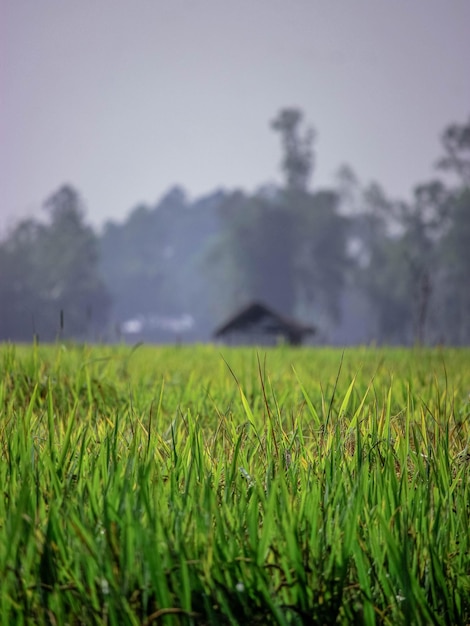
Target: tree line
<point>359,265</point>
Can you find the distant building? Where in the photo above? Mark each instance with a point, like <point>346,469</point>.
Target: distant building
<point>257,324</point>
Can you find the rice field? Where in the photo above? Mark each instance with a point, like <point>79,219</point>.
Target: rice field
<point>210,485</point>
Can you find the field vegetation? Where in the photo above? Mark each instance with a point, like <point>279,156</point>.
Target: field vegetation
<point>207,485</point>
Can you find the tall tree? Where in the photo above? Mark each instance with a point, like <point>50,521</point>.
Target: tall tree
<point>68,255</point>
<point>378,273</point>
<point>454,292</point>
<point>456,145</point>
<point>22,308</point>
<point>454,249</point>
<point>50,279</point>
<point>298,158</point>
<point>285,246</point>
<point>412,261</point>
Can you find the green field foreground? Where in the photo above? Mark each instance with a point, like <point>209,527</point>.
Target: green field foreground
<point>208,485</point>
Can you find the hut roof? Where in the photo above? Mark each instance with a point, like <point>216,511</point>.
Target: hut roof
<point>257,314</point>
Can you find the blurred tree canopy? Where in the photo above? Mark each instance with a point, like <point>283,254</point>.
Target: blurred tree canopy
<point>49,279</point>
<point>412,263</point>
<point>357,264</point>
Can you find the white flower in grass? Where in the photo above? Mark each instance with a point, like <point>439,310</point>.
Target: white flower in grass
<point>240,587</point>
<point>104,587</point>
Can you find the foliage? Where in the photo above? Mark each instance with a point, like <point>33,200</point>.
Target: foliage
<point>456,145</point>
<point>352,261</point>
<point>454,275</point>
<point>412,264</point>
<point>153,262</point>
<point>287,249</point>
<point>49,280</point>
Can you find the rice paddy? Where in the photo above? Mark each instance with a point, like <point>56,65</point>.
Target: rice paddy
<point>208,485</point>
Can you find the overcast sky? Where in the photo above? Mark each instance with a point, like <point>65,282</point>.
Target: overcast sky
<point>125,98</point>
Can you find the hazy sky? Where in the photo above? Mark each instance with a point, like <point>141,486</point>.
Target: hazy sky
<point>124,98</point>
